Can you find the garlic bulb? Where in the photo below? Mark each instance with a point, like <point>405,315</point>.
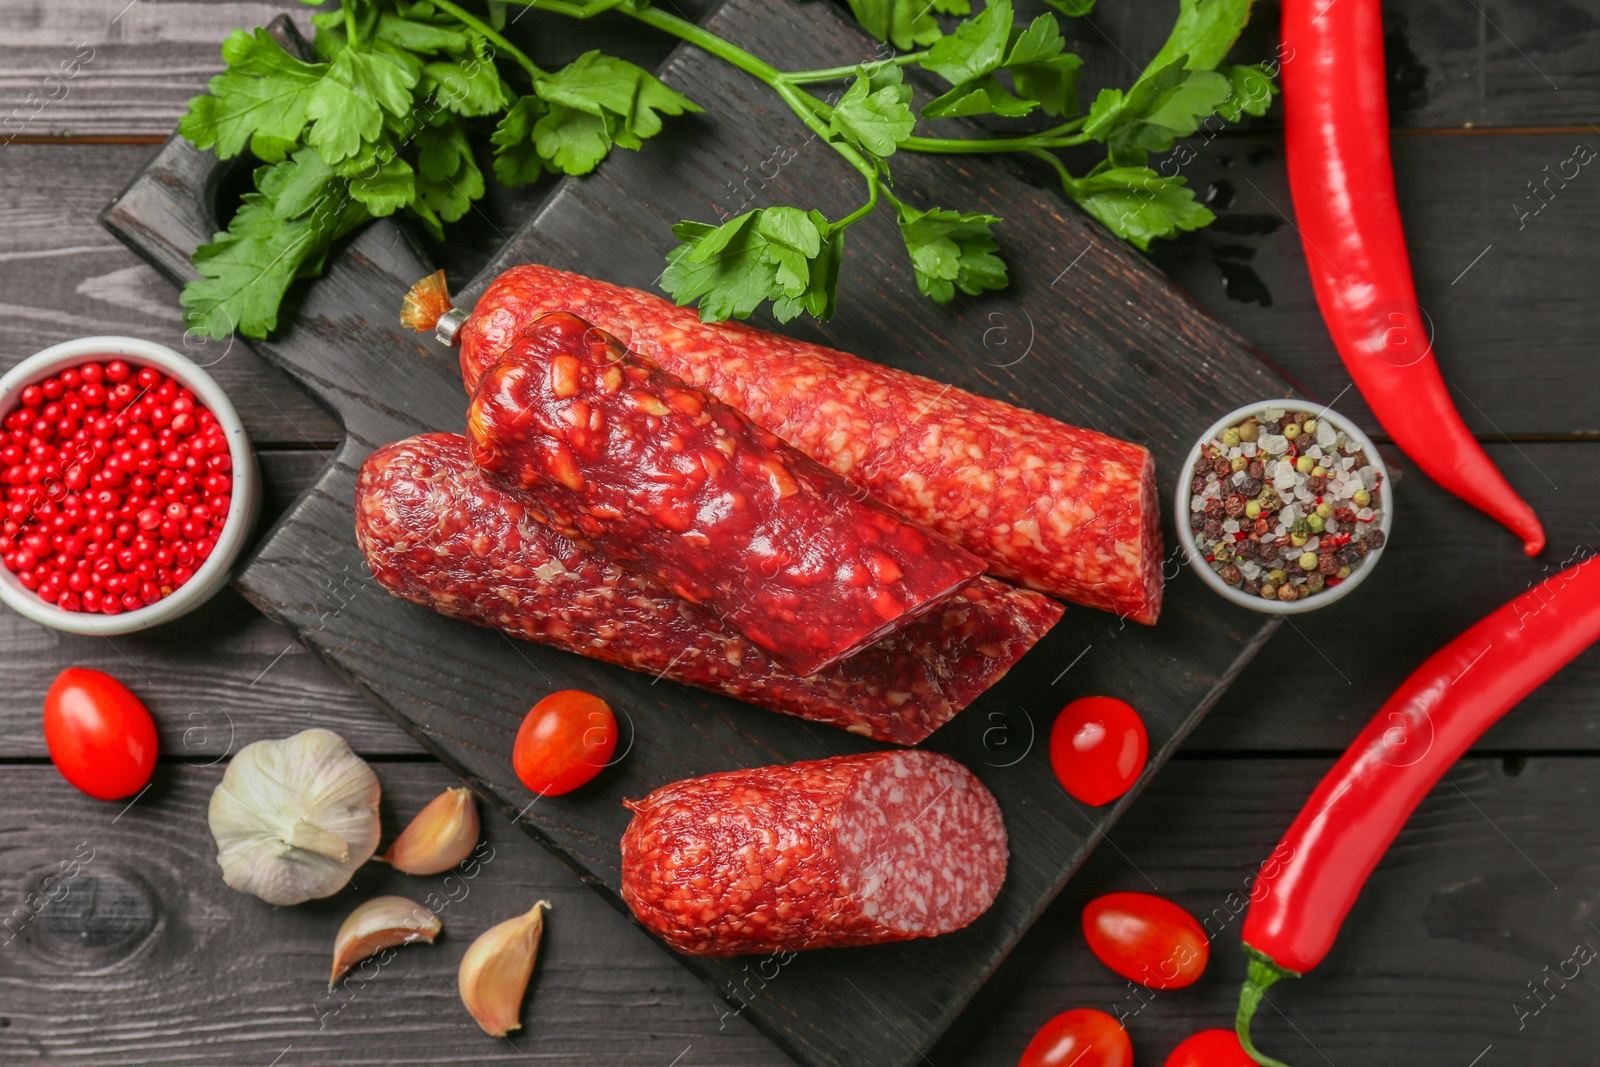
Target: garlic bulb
<point>293,819</point>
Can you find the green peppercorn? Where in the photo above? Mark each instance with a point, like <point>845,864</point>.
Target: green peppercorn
<point>1344,572</point>
<point>1230,438</point>
<point>1269,591</point>
<point>1305,464</point>
<point>1308,561</point>
<point>1361,497</point>
<point>1299,538</point>
<point>1277,577</point>
<point>1252,509</point>
<point>1291,430</point>
<point>1249,431</point>
<point>1319,471</point>
<point>1324,511</point>
<point>1315,522</point>
<point>1239,463</point>
<point>1310,426</point>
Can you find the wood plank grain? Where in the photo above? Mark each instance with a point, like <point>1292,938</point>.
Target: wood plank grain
<point>170,967</point>
<point>146,957</point>
<point>463,691</point>
<point>66,277</point>
<point>132,69</point>
<point>1490,883</point>
<point>215,680</point>
<point>1511,332</point>
<point>1504,273</point>
<point>1446,567</point>
<point>1453,64</point>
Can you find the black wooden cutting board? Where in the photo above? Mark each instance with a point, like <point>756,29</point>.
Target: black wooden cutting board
<point>1088,332</point>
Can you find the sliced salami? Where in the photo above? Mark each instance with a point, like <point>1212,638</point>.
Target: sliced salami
<point>437,534</point>
<point>1064,510</point>
<point>854,850</point>
<point>680,488</point>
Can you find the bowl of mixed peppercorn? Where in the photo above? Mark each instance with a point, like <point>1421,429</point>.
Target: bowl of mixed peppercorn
<point>1283,507</point>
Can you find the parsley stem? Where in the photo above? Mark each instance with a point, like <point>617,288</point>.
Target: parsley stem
<point>949,146</point>
<point>685,30</point>
<point>827,74</point>
<point>352,33</point>
<point>1069,184</point>
<point>482,28</point>
<point>873,185</point>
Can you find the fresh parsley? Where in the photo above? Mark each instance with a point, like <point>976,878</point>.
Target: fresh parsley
<point>383,120</point>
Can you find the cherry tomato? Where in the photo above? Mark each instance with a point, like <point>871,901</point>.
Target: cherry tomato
<point>1210,1048</point>
<point>1081,1037</point>
<point>566,740</point>
<point>1146,938</point>
<point>1098,748</point>
<point>101,737</point>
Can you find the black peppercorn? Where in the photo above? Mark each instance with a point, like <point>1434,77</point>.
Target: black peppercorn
<point>1231,574</point>
<point>1374,539</point>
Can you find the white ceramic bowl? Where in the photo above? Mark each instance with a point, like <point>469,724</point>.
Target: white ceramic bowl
<point>212,574</point>
<point>1196,558</point>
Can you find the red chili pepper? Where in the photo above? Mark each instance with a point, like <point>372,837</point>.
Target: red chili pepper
<point>1318,869</point>
<point>1336,132</point>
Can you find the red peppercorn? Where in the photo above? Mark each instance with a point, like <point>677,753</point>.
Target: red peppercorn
<point>118,371</point>
<point>52,388</point>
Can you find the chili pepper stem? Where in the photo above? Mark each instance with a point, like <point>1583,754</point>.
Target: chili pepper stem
<point>1261,974</point>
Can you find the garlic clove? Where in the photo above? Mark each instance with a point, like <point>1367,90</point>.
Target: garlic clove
<point>380,923</point>
<point>495,971</point>
<point>442,835</point>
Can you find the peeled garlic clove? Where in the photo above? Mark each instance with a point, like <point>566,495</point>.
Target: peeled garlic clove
<point>381,923</point>
<point>294,818</point>
<point>442,835</point>
<point>495,971</point>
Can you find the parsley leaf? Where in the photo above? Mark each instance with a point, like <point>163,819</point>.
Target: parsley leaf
<point>448,179</point>
<point>1168,104</point>
<point>951,250</point>
<point>516,160</point>
<point>905,24</point>
<point>595,102</point>
<point>875,112</point>
<point>1204,32</point>
<point>261,97</point>
<point>1072,8</point>
<point>469,86</point>
<point>246,269</point>
<point>1137,204</point>
<point>349,103</point>
<point>781,254</point>
<point>1042,69</point>
<point>1043,72</point>
<point>415,35</point>
<point>976,48</point>
<point>1253,90</point>
<point>386,188</point>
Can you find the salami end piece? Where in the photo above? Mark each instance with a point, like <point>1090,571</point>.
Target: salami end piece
<point>682,489</point>
<point>853,850</point>
<point>436,533</point>
<point>1058,508</point>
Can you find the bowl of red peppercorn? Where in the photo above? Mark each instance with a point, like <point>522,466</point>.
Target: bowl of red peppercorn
<point>1283,507</point>
<point>128,485</point>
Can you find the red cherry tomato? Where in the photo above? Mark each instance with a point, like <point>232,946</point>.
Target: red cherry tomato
<point>1210,1048</point>
<point>566,740</point>
<point>1081,1037</point>
<point>1098,748</point>
<point>1147,939</point>
<point>101,737</point>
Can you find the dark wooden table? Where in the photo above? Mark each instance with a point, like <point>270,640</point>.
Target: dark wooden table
<point>146,957</point>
